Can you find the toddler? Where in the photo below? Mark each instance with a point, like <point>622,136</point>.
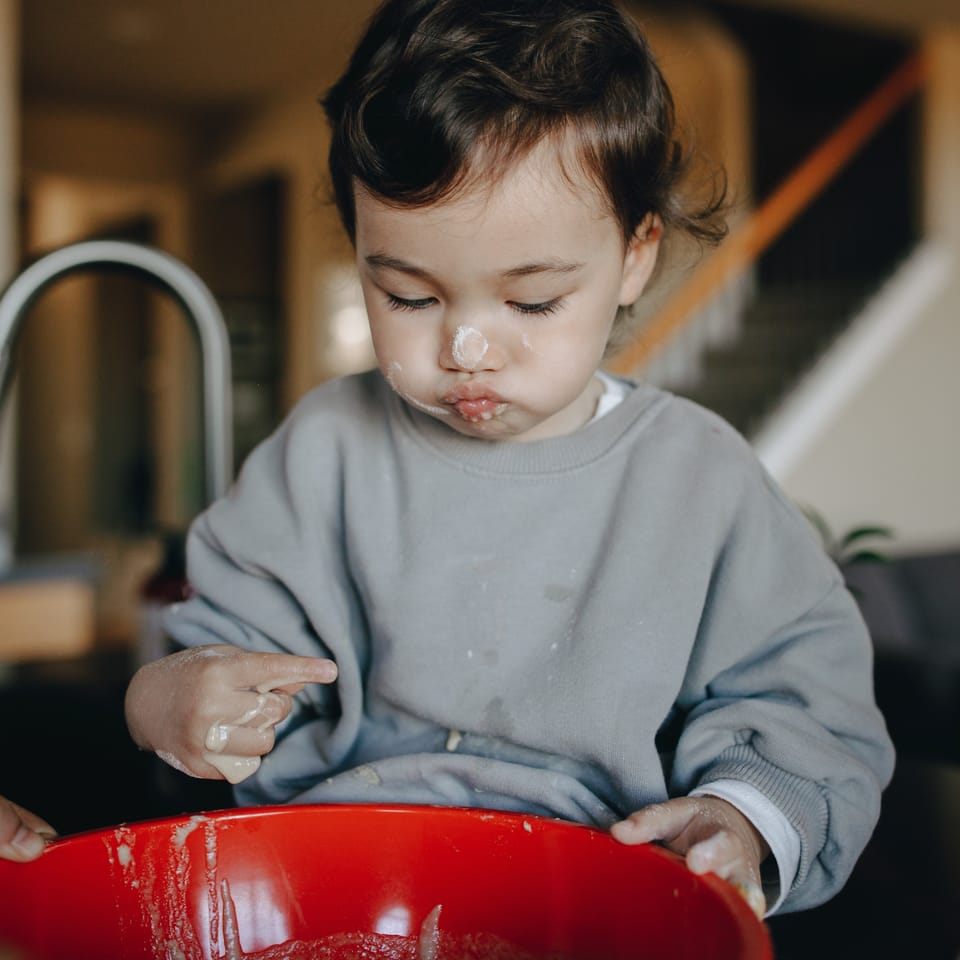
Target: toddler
<point>488,573</point>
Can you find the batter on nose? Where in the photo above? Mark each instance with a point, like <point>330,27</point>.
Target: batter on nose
<point>469,347</point>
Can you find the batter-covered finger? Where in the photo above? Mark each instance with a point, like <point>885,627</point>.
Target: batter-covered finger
<point>234,769</point>
<point>227,738</point>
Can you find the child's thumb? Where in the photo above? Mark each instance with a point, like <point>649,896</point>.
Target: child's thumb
<point>25,844</point>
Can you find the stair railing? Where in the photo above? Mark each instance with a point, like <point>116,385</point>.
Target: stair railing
<point>728,268</point>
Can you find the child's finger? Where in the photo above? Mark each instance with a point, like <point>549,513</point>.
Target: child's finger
<point>233,751</point>
<point>289,685</point>
<point>233,768</point>
<point>225,738</point>
<point>754,897</point>
<point>22,845</point>
<point>283,672</point>
<point>256,710</point>
<point>36,824</point>
<point>659,821</point>
<point>23,834</point>
<point>722,854</point>
<point>249,732</point>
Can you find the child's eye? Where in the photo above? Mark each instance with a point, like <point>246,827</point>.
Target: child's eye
<point>399,303</point>
<point>547,306</point>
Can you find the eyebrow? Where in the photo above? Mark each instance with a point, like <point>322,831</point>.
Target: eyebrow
<point>384,261</point>
<point>551,265</point>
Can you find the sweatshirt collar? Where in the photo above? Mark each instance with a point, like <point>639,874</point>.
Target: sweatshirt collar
<point>591,442</point>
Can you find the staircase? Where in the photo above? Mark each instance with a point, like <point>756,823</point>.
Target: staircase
<point>778,293</point>
<point>783,331</point>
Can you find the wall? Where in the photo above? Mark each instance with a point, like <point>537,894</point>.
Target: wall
<point>9,135</point>
<point>710,80</point>
<point>942,130</point>
<point>120,146</point>
<point>9,159</point>
<point>288,138</point>
<point>892,456</point>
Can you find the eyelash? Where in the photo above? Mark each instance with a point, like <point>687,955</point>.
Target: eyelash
<point>527,309</point>
<point>397,303</point>
<point>538,309</point>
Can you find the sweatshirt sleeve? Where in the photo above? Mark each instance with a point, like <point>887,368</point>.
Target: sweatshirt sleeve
<point>266,564</point>
<point>779,693</point>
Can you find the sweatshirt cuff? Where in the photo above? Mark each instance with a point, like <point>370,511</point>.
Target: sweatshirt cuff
<point>773,826</point>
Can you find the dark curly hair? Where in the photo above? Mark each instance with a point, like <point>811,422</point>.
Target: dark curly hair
<point>433,80</point>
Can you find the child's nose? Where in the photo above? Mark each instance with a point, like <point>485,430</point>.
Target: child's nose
<point>467,349</point>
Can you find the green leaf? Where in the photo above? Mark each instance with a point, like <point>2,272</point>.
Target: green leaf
<point>861,533</point>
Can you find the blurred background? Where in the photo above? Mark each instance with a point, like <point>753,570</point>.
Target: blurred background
<point>826,329</point>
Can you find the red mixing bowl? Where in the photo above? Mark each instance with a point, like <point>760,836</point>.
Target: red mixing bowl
<point>343,882</point>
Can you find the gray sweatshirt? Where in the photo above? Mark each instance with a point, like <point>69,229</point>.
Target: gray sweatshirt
<point>575,627</point>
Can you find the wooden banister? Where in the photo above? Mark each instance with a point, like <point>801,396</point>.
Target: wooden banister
<point>772,217</point>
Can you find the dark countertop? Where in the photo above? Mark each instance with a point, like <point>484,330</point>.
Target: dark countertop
<point>68,756</point>
<point>903,899</point>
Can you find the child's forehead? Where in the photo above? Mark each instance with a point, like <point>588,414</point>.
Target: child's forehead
<point>496,227</point>
<point>552,170</point>
<point>554,162</point>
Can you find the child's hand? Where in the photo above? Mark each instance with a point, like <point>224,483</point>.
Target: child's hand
<point>713,836</point>
<point>23,834</point>
<point>211,711</point>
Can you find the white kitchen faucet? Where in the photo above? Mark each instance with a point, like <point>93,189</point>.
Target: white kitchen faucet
<point>195,298</point>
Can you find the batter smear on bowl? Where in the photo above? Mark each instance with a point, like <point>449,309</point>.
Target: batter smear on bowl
<point>430,944</point>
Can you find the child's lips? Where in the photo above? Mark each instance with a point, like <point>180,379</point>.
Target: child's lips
<point>475,406</point>
<point>483,409</point>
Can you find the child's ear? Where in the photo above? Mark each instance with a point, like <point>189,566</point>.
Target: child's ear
<point>640,259</point>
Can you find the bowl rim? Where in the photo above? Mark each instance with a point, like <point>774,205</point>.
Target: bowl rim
<point>753,931</point>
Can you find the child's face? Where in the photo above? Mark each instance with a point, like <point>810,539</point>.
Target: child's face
<point>491,310</point>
